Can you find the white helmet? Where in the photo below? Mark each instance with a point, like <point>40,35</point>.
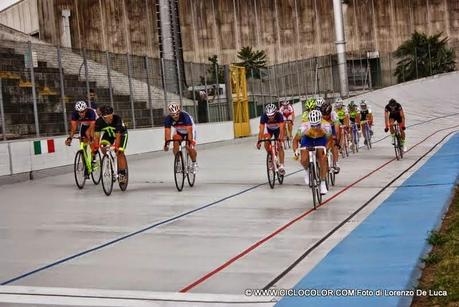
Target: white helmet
<point>173,108</point>
<point>80,106</point>
<point>319,101</point>
<point>270,109</point>
<point>315,117</point>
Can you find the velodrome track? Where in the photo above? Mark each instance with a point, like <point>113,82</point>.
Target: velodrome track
<point>229,233</point>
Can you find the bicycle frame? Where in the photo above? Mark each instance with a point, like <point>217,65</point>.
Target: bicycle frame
<point>87,154</point>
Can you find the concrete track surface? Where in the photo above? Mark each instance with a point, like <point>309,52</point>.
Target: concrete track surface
<point>212,242</point>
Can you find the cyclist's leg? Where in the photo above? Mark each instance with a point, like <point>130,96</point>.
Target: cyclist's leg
<point>281,147</point>
<point>305,142</point>
<point>122,163</point>
<point>176,137</point>
<point>321,157</point>
<point>268,135</point>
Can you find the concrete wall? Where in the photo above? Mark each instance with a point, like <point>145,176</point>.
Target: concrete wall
<point>23,16</point>
<point>119,26</point>
<point>18,156</point>
<point>295,29</point>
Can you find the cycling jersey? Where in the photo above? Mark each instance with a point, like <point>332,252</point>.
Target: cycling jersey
<point>395,111</point>
<point>111,129</point>
<point>341,113</point>
<point>88,117</point>
<point>272,123</point>
<point>315,136</point>
<point>287,111</point>
<point>185,120</point>
<point>353,115</point>
<point>364,114</point>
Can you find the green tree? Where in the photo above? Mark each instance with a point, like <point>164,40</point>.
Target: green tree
<point>214,71</point>
<point>253,61</point>
<point>423,56</point>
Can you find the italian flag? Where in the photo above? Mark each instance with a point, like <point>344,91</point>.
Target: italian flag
<point>43,146</point>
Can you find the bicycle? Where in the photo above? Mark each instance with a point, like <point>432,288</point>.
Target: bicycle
<point>366,134</point>
<point>182,168</point>
<point>397,141</point>
<point>314,174</point>
<point>288,132</point>
<point>344,141</point>
<point>110,170</point>
<point>355,138</point>
<point>273,162</point>
<point>83,165</point>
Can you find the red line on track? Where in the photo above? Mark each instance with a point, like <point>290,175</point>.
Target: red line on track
<point>279,230</point>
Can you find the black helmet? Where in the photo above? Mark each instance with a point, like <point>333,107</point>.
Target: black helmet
<point>392,101</point>
<point>106,110</point>
<point>326,108</point>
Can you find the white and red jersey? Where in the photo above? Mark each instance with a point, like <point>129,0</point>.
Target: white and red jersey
<point>287,111</point>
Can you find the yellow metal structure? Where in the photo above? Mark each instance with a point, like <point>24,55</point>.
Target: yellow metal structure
<point>240,101</point>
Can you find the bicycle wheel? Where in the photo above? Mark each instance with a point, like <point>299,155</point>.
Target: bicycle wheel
<point>79,169</point>
<point>400,147</point>
<point>123,185</point>
<point>331,171</point>
<point>396,147</point>
<point>179,171</point>
<point>270,170</point>
<point>107,174</point>
<point>191,177</point>
<point>96,173</point>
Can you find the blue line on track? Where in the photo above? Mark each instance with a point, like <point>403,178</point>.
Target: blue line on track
<point>384,251</point>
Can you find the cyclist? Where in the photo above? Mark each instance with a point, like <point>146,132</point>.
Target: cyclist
<point>272,124</point>
<point>366,116</point>
<point>330,116</point>
<point>354,117</point>
<point>394,112</point>
<point>319,102</point>
<point>87,118</point>
<point>289,116</point>
<point>309,105</point>
<point>343,118</point>
<point>110,130</point>
<point>315,132</point>
<point>184,129</point>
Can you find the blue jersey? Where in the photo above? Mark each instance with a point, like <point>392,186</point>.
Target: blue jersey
<point>272,123</point>
<point>88,117</point>
<point>181,124</point>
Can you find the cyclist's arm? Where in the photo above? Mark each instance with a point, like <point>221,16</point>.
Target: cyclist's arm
<point>282,130</point>
<point>73,128</point>
<point>402,115</point>
<point>90,131</point>
<point>261,129</point>
<point>189,129</point>
<point>386,119</point>
<point>117,140</point>
<point>167,134</point>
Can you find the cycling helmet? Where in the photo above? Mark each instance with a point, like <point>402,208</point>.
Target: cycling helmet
<point>270,109</point>
<point>352,105</point>
<point>80,106</point>
<point>338,100</point>
<point>392,101</point>
<point>173,108</point>
<point>310,104</point>
<point>363,105</point>
<point>285,102</point>
<point>315,117</point>
<point>339,105</point>
<point>106,110</point>
<point>320,101</point>
<point>326,108</point>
